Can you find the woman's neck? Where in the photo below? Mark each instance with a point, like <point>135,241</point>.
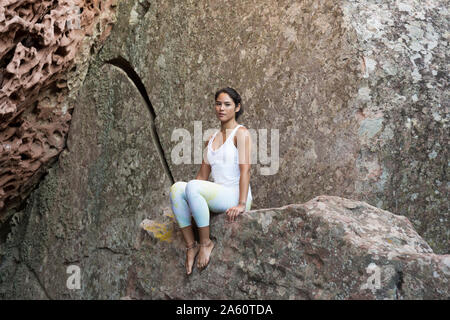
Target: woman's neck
<point>228,125</point>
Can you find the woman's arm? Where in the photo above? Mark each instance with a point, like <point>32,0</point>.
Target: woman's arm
<point>244,144</point>
<point>205,168</point>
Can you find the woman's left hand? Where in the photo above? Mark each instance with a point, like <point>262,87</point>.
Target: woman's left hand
<point>233,212</point>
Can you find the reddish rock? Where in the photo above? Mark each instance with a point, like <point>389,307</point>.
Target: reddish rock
<point>40,42</point>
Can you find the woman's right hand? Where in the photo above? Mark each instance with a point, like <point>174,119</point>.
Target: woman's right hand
<point>234,212</point>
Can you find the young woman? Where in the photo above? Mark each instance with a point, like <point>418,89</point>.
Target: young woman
<point>229,164</point>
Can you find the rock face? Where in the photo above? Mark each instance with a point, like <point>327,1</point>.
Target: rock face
<point>107,191</point>
<point>45,48</point>
<point>356,90</point>
<point>326,248</point>
<point>402,111</point>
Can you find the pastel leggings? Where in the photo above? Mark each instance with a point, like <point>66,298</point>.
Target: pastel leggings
<point>197,197</point>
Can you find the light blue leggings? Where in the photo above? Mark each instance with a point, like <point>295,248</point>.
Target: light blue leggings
<point>198,197</point>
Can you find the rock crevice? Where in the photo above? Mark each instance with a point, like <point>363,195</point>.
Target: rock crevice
<point>123,64</point>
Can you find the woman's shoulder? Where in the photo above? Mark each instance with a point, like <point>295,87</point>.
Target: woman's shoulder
<point>242,131</point>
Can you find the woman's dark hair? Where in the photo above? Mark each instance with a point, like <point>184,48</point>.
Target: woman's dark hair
<point>233,95</point>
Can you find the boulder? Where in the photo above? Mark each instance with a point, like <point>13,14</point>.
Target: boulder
<point>352,92</point>
<point>356,90</point>
<point>327,248</point>
<point>344,98</point>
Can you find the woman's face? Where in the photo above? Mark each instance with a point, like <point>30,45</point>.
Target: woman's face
<point>225,107</point>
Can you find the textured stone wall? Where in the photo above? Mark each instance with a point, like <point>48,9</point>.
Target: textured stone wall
<point>45,49</point>
<point>87,210</point>
<point>355,88</point>
<point>402,109</point>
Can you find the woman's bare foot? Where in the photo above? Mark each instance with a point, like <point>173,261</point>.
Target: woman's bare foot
<point>204,254</point>
<point>191,253</point>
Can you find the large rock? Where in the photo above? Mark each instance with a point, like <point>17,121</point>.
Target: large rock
<point>355,88</point>
<point>87,209</point>
<point>326,248</point>
<point>358,101</point>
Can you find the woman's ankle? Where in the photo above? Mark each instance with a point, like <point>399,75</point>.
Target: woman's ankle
<point>205,243</point>
<point>191,245</point>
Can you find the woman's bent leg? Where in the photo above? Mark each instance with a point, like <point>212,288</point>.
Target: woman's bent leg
<point>197,198</point>
<point>203,196</point>
<point>178,201</point>
<point>191,248</point>
<point>182,213</point>
<point>206,246</point>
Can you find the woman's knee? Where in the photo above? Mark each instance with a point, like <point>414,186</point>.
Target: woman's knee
<point>177,187</point>
<point>192,187</point>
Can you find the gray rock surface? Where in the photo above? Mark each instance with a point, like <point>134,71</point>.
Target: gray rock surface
<point>88,208</point>
<point>326,248</point>
<point>357,92</point>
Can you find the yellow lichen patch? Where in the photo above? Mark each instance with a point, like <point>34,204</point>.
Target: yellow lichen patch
<point>161,231</point>
<point>170,215</point>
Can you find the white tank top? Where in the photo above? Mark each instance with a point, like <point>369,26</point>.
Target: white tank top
<point>225,162</point>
